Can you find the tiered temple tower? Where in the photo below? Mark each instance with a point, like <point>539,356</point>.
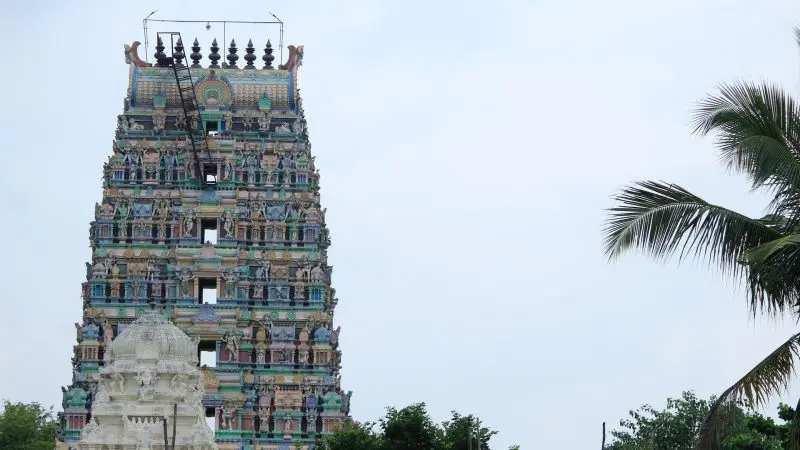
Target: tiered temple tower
<point>249,179</point>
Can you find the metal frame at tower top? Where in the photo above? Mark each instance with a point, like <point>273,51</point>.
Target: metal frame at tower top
<point>208,23</point>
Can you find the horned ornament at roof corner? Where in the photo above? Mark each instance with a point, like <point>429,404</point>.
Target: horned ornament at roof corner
<point>132,55</point>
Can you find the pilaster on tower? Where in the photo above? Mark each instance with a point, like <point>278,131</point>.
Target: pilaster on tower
<point>239,264</point>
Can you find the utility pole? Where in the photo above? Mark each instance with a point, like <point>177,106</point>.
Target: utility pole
<point>174,426</point>
<point>166,439</point>
<point>472,436</point>
<point>174,423</point>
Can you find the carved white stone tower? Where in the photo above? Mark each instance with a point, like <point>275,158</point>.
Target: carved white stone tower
<point>150,368</point>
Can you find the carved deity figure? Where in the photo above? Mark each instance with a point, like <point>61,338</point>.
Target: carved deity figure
<point>261,352</point>
<point>317,275</point>
<point>304,334</point>
<point>117,383</point>
<point>303,273</point>
<point>265,395</point>
<point>258,290</point>
<point>264,120</point>
<point>287,428</point>
<point>136,284</point>
<point>146,380</point>
<point>286,355</point>
<point>162,231</point>
<point>122,125</point>
<point>123,209</point>
<point>115,285</point>
<point>227,170</point>
<point>257,210</point>
<point>227,417</point>
<point>262,273</point>
<point>162,211</point>
<point>298,127</point>
<point>189,222</point>
<point>302,356</point>
<point>227,224</point>
<point>185,277</point>
<point>180,121</point>
<point>108,331</point>
<point>159,120</point>
<point>178,383</point>
<point>228,121</point>
<point>231,340</point>
<point>247,120</point>
<point>132,125</point>
<point>231,276</point>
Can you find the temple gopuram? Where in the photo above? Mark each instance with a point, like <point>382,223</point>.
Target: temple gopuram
<point>211,216</point>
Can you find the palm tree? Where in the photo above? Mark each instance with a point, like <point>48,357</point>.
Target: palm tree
<point>757,130</point>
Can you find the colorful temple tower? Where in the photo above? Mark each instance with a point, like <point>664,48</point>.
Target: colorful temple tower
<point>212,189</point>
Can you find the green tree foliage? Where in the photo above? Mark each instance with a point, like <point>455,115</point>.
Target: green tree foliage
<point>27,426</point>
<point>757,129</point>
<point>459,429</point>
<point>679,425</point>
<point>673,428</point>
<point>411,428</point>
<point>352,436</point>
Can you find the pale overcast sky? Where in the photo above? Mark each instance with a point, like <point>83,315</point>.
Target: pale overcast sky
<point>467,152</point>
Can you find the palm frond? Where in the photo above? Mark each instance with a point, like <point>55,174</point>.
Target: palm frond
<point>797,35</point>
<point>770,377</point>
<point>774,268</point>
<point>758,133</point>
<point>660,219</point>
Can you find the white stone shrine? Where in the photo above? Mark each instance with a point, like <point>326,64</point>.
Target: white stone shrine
<point>150,367</point>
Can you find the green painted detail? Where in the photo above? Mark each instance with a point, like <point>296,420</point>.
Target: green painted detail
<point>290,315</point>
<point>76,398</point>
<point>160,100</point>
<point>230,388</point>
<point>211,116</point>
<point>227,434</point>
<point>264,102</point>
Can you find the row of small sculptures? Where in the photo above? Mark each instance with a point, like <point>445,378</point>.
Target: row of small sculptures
<point>124,207</point>
<point>150,150</point>
<point>151,270</point>
<point>251,121</point>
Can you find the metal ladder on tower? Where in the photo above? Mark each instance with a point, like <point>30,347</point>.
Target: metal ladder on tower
<point>191,110</point>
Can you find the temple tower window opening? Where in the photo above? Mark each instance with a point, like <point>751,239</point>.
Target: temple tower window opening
<point>207,291</point>
<point>208,231</point>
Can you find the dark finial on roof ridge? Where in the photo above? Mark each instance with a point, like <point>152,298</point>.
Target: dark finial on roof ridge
<point>250,57</point>
<point>196,55</point>
<point>268,57</point>
<point>232,56</point>
<point>214,56</point>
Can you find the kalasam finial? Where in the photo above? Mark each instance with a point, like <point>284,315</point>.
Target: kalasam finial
<point>268,57</point>
<point>250,57</point>
<point>196,55</point>
<point>214,55</point>
<point>232,56</point>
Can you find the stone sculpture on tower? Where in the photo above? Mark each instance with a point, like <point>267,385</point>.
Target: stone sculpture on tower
<point>150,376</point>
<point>210,211</point>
